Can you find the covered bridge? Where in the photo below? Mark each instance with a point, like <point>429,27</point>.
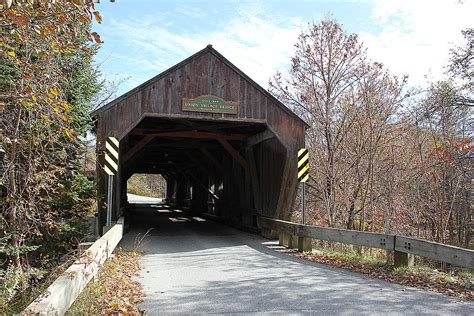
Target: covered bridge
<point>224,144</point>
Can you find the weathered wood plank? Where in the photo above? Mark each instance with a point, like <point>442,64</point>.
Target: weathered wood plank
<point>353,237</point>
<point>202,135</point>
<point>252,168</point>
<point>436,251</point>
<point>258,138</point>
<point>282,205</point>
<point>424,248</point>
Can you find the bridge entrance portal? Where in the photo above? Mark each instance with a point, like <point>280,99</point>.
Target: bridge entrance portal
<point>224,145</point>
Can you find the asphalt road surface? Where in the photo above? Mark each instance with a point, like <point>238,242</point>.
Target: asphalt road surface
<point>194,266</point>
<point>138,199</point>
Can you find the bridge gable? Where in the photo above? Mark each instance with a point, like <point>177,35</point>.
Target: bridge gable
<point>205,73</point>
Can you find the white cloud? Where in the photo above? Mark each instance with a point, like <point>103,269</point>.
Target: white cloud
<point>416,36</point>
<point>409,36</point>
<point>257,44</point>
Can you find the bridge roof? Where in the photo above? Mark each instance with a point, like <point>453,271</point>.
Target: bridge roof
<point>207,50</point>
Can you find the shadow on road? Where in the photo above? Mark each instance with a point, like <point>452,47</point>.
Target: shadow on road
<point>192,265</point>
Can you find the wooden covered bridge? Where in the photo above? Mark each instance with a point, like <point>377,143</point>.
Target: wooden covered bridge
<point>223,144</point>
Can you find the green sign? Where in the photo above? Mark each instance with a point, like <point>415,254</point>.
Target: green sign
<point>210,104</point>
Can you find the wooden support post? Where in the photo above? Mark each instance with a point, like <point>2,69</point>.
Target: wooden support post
<point>286,240</point>
<point>254,177</point>
<point>212,159</point>
<point>281,238</point>
<point>403,259</point>
<point>101,192</point>
<point>233,152</point>
<point>304,244</point>
<point>294,242</point>
<point>213,194</point>
<point>283,204</point>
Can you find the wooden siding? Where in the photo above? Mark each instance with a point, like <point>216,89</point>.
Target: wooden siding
<point>209,73</point>
<point>204,74</point>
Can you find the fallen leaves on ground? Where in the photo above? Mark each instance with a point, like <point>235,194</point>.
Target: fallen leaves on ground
<point>457,286</point>
<point>115,291</point>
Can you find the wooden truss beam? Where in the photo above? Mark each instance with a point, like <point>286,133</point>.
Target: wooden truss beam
<point>202,135</point>
<point>233,152</point>
<point>198,181</point>
<point>258,138</point>
<point>139,146</point>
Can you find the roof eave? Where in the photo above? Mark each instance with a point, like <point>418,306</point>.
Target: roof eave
<point>213,51</point>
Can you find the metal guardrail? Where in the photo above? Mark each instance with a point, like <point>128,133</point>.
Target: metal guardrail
<point>423,248</point>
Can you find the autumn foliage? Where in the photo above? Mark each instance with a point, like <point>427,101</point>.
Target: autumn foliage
<point>47,82</point>
<point>383,157</point>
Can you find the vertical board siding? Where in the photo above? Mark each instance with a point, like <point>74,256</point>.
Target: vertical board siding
<point>206,74</point>
<point>271,163</point>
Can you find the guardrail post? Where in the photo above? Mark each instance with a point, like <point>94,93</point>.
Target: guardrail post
<point>266,233</point>
<point>400,248</point>
<point>304,244</point>
<point>285,240</point>
<point>401,259</point>
<point>293,242</point>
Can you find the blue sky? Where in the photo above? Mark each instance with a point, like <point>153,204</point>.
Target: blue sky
<point>144,37</point>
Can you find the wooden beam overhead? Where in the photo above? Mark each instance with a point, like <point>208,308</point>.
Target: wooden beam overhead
<point>190,126</point>
<point>258,138</point>
<point>139,146</point>
<point>233,152</point>
<point>202,135</point>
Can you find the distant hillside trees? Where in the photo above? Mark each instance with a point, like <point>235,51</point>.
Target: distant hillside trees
<point>152,185</point>
<point>380,160</point>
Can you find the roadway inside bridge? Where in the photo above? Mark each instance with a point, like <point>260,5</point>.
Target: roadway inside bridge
<point>193,265</point>
<point>220,167</point>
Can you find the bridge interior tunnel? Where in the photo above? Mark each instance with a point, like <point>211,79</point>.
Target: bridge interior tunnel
<point>229,169</point>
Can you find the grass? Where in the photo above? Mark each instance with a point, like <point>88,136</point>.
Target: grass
<point>454,281</point>
<point>25,299</point>
<point>354,256</point>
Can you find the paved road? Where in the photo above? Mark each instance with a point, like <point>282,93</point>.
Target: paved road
<point>193,266</point>
<point>138,199</point>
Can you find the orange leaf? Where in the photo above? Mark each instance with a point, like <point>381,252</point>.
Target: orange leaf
<point>98,17</point>
<point>96,37</point>
<point>20,20</point>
